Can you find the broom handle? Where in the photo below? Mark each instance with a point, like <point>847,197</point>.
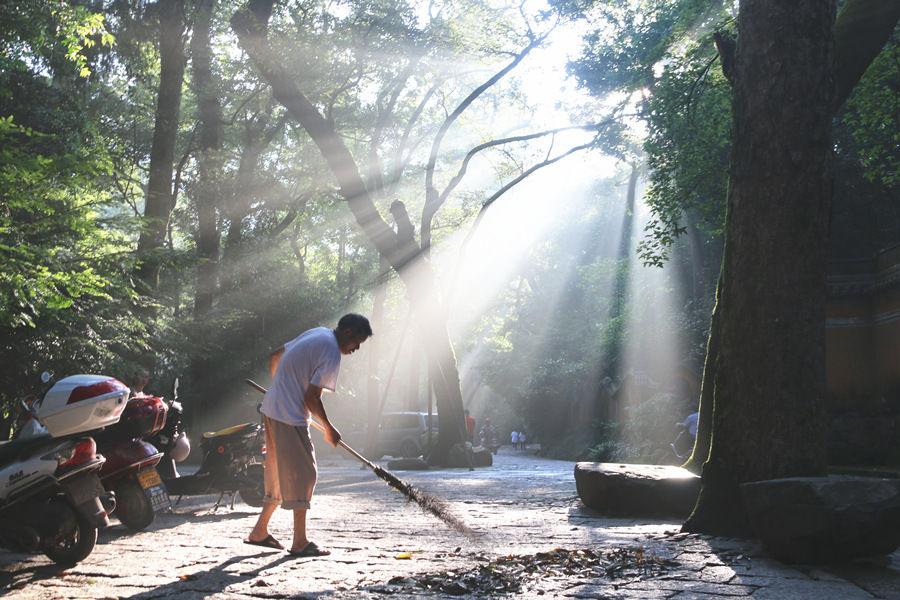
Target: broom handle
<point>315,424</point>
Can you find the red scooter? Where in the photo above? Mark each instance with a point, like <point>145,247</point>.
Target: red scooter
<point>130,468</point>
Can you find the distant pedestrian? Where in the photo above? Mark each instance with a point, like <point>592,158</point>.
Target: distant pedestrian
<point>470,428</point>
<point>490,439</point>
<point>522,439</point>
<point>687,433</point>
<point>514,438</point>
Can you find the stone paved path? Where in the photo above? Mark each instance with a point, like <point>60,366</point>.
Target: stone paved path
<point>385,548</point>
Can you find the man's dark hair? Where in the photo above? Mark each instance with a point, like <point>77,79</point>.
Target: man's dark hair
<point>357,324</point>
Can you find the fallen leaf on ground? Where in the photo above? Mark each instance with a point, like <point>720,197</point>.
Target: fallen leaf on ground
<point>510,574</point>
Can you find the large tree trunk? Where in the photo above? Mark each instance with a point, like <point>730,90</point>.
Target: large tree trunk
<point>258,134</point>
<point>208,163</point>
<point>373,390</point>
<point>417,275</point>
<point>769,399</point>
<point>160,194</point>
<point>861,30</point>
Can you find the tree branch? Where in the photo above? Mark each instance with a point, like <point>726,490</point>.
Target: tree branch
<point>385,111</point>
<point>511,140</point>
<point>433,200</point>
<point>861,30</point>
<point>251,33</point>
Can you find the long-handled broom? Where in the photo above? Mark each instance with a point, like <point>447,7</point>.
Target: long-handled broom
<point>429,503</point>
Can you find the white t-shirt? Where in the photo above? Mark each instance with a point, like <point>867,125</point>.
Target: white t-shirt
<point>313,357</point>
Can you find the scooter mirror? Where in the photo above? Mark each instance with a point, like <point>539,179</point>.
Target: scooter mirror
<point>45,377</point>
<point>175,389</point>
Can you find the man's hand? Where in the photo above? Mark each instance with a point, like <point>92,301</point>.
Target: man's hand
<point>313,400</point>
<point>332,435</point>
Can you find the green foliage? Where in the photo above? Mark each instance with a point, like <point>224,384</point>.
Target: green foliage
<point>606,446</point>
<point>54,236</point>
<point>631,39</point>
<point>644,436</point>
<point>580,313</point>
<point>689,122</point>
<point>48,31</point>
<point>65,298</point>
<point>598,443</point>
<point>874,118</point>
<point>77,30</point>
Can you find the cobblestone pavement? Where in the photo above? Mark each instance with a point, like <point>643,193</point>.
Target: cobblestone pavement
<point>522,510</point>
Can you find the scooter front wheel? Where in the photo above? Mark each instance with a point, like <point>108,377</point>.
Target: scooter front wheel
<point>77,546</point>
<point>133,508</point>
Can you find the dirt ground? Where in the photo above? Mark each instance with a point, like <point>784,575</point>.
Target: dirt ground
<point>532,537</point>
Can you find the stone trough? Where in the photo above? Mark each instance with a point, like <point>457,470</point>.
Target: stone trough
<point>805,520</point>
<point>813,520</point>
<point>627,490</point>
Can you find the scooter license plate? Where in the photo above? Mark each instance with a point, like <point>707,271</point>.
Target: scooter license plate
<point>85,489</point>
<point>149,478</point>
<point>154,489</point>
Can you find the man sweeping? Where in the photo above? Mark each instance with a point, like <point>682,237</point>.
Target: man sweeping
<point>302,370</point>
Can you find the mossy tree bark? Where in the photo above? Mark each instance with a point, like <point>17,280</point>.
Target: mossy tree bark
<point>861,30</point>
<point>768,417</point>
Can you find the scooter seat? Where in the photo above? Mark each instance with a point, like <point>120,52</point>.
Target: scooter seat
<point>227,430</point>
<point>14,449</point>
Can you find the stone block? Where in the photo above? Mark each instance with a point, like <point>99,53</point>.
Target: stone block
<point>637,490</point>
<point>457,459</point>
<point>814,520</point>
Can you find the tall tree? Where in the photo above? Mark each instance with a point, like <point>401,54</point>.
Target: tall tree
<point>766,367</point>
<point>407,258</point>
<point>772,290</point>
<point>209,157</point>
<point>160,197</point>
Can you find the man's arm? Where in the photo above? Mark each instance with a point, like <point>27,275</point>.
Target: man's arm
<point>313,400</point>
<point>275,358</point>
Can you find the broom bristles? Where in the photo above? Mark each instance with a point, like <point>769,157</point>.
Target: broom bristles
<point>430,504</point>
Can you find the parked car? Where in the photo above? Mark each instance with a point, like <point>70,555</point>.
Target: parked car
<point>403,434</point>
<point>406,433</point>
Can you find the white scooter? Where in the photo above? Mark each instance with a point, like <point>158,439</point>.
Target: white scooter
<point>51,499</point>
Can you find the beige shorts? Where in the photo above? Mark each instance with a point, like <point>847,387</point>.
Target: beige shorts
<point>290,465</point>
